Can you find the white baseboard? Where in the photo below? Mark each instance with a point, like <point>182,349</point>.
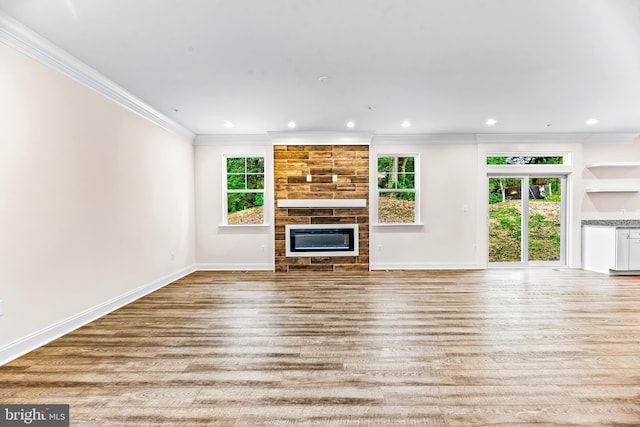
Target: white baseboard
<point>236,267</point>
<point>24,345</point>
<point>422,266</point>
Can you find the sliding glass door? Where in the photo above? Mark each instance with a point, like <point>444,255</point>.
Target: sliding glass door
<point>526,220</point>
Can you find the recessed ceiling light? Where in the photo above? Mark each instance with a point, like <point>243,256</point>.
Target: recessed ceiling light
<point>350,124</point>
<point>405,124</point>
<point>291,125</point>
<point>228,124</point>
<point>491,122</point>
<point>592,121</point>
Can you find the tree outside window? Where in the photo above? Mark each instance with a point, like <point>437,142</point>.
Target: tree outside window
<point>245,190</point>
<point>397,190</point>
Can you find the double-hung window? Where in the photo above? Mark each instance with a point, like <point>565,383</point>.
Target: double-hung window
<point>244,190</point>
<point>397,189</point>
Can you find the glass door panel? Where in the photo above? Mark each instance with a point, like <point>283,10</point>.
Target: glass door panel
<point>526,220</point>
<point>544,219</point>
<point>505,219</point>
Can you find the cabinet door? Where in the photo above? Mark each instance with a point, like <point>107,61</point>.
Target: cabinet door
<point>622,250</point>
<point>634,254</point>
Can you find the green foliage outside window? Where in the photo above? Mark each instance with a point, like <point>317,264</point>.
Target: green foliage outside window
<point>396,189</point>
<point>237,202</point>
<point>397,173</point>
<point>245,190</point>
<point>525,160</point>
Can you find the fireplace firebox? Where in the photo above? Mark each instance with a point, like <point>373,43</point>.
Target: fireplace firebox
<point>322,240</point>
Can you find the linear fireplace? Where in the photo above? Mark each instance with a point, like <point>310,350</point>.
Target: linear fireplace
<point>322,240</point>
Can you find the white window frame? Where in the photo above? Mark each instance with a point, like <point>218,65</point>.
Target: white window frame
<point>524,224</point>
<point>416,190</point>
<point>226,191</point>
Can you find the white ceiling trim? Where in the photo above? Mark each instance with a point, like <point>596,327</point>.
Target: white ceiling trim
<point>321,138</point>
<point>232,139</point>
<point>371,138</point>
<point>561,138</point>
<point>21,38</point>
<point>424,138</point>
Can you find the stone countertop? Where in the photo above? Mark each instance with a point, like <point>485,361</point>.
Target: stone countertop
<point>619,223</point>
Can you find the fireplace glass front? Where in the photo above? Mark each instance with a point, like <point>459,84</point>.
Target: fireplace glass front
<point>322,240</point>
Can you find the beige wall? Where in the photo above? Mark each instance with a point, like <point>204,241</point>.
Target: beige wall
<point>231,247</point>
<point>94,199</point>
<point>448,174</point>
<point>453,203</point>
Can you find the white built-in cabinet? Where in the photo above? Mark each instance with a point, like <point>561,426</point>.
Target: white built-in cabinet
<point>611,249</point>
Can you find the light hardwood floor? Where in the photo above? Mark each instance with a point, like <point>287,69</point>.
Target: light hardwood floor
<point>451,348</point>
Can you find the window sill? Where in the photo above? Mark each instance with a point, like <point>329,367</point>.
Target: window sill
<point>244,226</point>
<point>398,225</point>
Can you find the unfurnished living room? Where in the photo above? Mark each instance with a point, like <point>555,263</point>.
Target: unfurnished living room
<point>319,212</point>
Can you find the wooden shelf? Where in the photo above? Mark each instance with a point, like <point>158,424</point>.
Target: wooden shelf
<point>613,165</point>
<point>322,203</point>
<point>612,190</point>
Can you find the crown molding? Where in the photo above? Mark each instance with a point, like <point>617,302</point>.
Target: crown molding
<point>235,139</point>
<point>372,138</point>
<point>23,39</point>
<point>507,138</point>
<point>424,138</point>
<point>562,138</point>
<point>321,138</point>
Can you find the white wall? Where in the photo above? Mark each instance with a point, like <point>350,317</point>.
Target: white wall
<point>96,202</point>
<point>453,202</point>
<point>448,173</point>
<point>220,247</point>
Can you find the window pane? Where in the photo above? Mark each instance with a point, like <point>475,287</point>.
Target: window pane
<point>236,182</point>
<point>235,165</point>
<point>525,160</point>
<point>255,182</point>
<point>396,208</point>
<point>383,180</point>
<point>406,180</point>
<point>406,164</point>
<point>245,208</point>
<point>396,172</point>
<point>385,164</point>
<point>255,165</point>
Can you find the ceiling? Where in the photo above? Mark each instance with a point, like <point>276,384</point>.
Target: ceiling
<point>444,65</point>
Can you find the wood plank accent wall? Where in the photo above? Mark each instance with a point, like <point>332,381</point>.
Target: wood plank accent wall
<point>292,164</point>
